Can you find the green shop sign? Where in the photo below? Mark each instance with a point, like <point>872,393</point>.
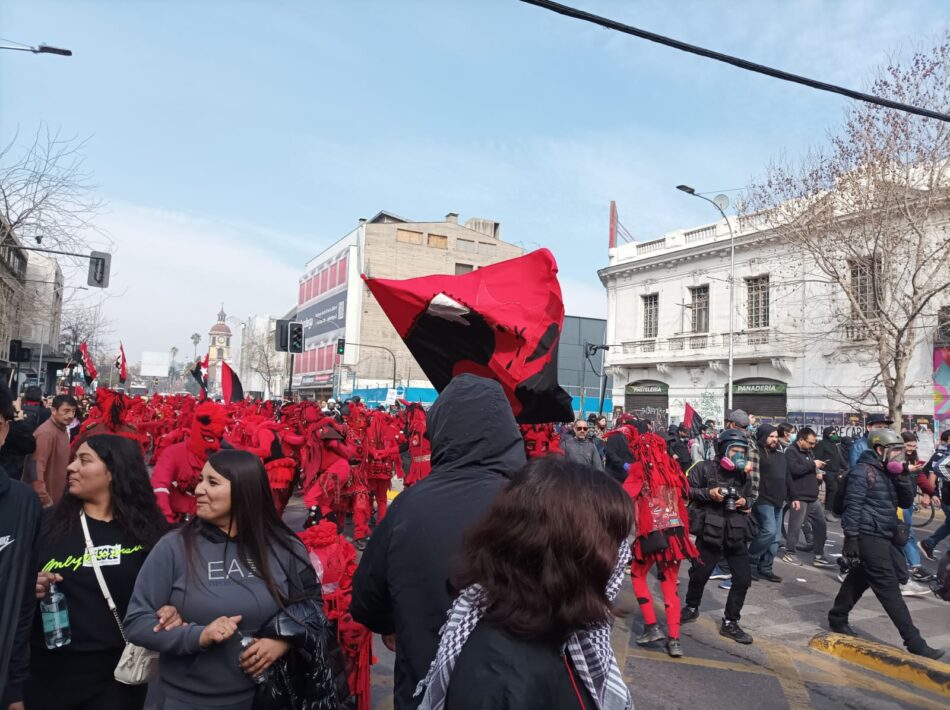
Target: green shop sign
<point>646,387</point>
<point>759,388</point>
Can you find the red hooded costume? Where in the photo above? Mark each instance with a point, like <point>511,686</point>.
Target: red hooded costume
<point>420,450</point>
<point>540,440</point>
<point>381,459</point>
<point>178,468</point>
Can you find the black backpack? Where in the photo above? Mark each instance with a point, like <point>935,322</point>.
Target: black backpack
<point>941,585</point>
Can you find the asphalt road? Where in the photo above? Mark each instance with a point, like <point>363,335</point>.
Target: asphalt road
<point>778,670</point>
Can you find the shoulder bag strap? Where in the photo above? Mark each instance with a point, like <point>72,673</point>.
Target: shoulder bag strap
<point>102,581</point>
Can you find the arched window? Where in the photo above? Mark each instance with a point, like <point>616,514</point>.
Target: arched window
<point>221,353</point>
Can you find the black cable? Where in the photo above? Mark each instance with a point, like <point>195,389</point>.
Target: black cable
<point>735,61</point>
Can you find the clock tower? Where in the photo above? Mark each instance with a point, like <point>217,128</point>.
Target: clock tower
<point>219,350</point>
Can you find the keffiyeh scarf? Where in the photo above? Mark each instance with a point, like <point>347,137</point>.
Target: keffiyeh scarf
<point>589,650</point>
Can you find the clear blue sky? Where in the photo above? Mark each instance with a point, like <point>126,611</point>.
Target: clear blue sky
<point>266,129</point>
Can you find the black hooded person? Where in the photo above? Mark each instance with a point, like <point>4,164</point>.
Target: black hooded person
<point>400,588</point>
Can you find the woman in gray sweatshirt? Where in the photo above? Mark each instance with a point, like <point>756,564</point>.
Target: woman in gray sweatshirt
<point>227,573</point>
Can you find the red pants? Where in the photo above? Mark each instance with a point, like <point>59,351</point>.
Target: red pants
<point>667,573</point>
<point>362,509</point>
<point>379,487</point>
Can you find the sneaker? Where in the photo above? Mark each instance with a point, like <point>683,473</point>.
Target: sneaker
<point>689,613</point>
<point>820,561</point>
<point>732,630</point>
<point>927,550</point>
<point>770,576</point>
<point>919,574</point>
<point>651,633</point>
<point>725,584</point>
<point>927,652</point>
<point>914,589</point>
<point>789,558</point>
<point>674,648</point>
<point>844,628</point>
<point>361,543</point>
<point>718,573</point>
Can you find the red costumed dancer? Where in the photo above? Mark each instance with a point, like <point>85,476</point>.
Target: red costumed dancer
<point>109,417</point>
<point>261,438</point>
<point>540,440</point>
<point>420,450</point>
<point>381,459</point>
<point>326,465</point>
<point>334,560</point>
<point>659,490</point>
<point>179,466</point>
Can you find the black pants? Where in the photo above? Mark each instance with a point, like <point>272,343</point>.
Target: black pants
<point>831,488</point>
<point>878,570</point>
<point>737,555</point>
<point>79,681</point>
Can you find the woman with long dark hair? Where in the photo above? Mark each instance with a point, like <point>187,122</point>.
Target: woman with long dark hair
<point>240,578</point>
<point>531,625</point>
<point>108,484</point>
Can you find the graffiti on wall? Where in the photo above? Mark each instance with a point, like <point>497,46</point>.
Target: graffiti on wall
<point>942,383</point>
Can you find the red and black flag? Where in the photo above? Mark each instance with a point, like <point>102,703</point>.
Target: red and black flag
<point>692,421</point>
<point>502,321</point>
<point>200,372</point>
<point>230,384</point>
<point>121,365</point>
<point>88,367</point>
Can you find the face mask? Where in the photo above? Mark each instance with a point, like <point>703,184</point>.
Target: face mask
<point>735,462</point>
<point>834,438</point>
<point>895,467</point>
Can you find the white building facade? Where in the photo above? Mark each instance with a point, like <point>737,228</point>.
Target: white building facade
<point>668,326</point>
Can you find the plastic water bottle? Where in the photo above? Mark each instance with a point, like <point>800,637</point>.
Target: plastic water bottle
<point>55,617</point>
<point>245,642</point>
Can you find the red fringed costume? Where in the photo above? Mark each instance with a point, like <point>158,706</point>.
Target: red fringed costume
<point>334,560</point>
<point>658,489</point>
<point>326,465</point>
<point>540,440</point>
<point>381,459</point>
<point>109,416</point>
<point>178,468</point>
<point>420,450</point>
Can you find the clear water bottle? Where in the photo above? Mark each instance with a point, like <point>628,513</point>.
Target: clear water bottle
<point>245,642</point>
<point>55,617</point>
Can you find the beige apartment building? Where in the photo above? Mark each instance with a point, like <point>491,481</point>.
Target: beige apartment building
<point>334,303</point>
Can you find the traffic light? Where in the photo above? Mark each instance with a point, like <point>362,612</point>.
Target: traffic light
<point>295,337</point>
<point>282,336</point>
<point>340,345</point>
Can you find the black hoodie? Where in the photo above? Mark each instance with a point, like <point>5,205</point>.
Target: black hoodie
<point>19,528</point>
<point>401,584</point>
<point>772,470</point>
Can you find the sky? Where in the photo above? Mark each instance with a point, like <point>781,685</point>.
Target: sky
<point>231,140</point>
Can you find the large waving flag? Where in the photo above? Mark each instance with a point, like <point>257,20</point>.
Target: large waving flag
<point>200,372</point>
<point>90,372</point>
<point>230,384</point>
<point>502,321</point>
<point>121,365</point>
<point>692,421</point>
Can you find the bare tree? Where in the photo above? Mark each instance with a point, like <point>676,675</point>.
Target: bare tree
<point>870,211</point>
<point>85,324</point>
<point>46,194</point>
<point>258,356</point>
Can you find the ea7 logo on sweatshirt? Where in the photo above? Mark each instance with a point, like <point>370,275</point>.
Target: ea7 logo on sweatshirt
<point>219,572</point>
<point>6,541</point>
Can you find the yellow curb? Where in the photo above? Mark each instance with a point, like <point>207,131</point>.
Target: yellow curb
<point>892,662</point>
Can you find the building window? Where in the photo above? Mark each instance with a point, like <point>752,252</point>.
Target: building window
<point>467,245</point>
<point>220,353</point>
<point>407,237</point>
<point>438,241</point>
<point>651,312</point>
<point>699,309</point>
<point>463,269</point>
<point>757,290</point>
<point>485,248</point>
<point>865,290</point>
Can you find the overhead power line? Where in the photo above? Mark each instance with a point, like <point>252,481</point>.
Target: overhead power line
<point>735,61</point>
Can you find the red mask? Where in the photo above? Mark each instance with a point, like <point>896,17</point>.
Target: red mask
<point>539,440</point>
<point>207,428</point>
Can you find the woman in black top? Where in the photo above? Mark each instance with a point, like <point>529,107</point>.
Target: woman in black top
<point>531,625</point>
<point>108,481</point>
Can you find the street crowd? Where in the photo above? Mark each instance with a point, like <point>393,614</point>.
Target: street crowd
<point>145,551</point>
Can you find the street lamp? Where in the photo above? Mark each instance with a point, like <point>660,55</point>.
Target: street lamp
<point>721,202</point>
<point>41,49</point>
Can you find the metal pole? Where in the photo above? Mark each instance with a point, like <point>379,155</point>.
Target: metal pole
<point>732,301</point>
<point>39,366</point>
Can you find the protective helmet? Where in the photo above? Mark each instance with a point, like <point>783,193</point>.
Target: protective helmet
<point>884,437</point>
<point>730,437</point>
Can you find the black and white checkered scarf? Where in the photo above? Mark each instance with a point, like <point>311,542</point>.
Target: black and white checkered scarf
<point>590,651</point>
